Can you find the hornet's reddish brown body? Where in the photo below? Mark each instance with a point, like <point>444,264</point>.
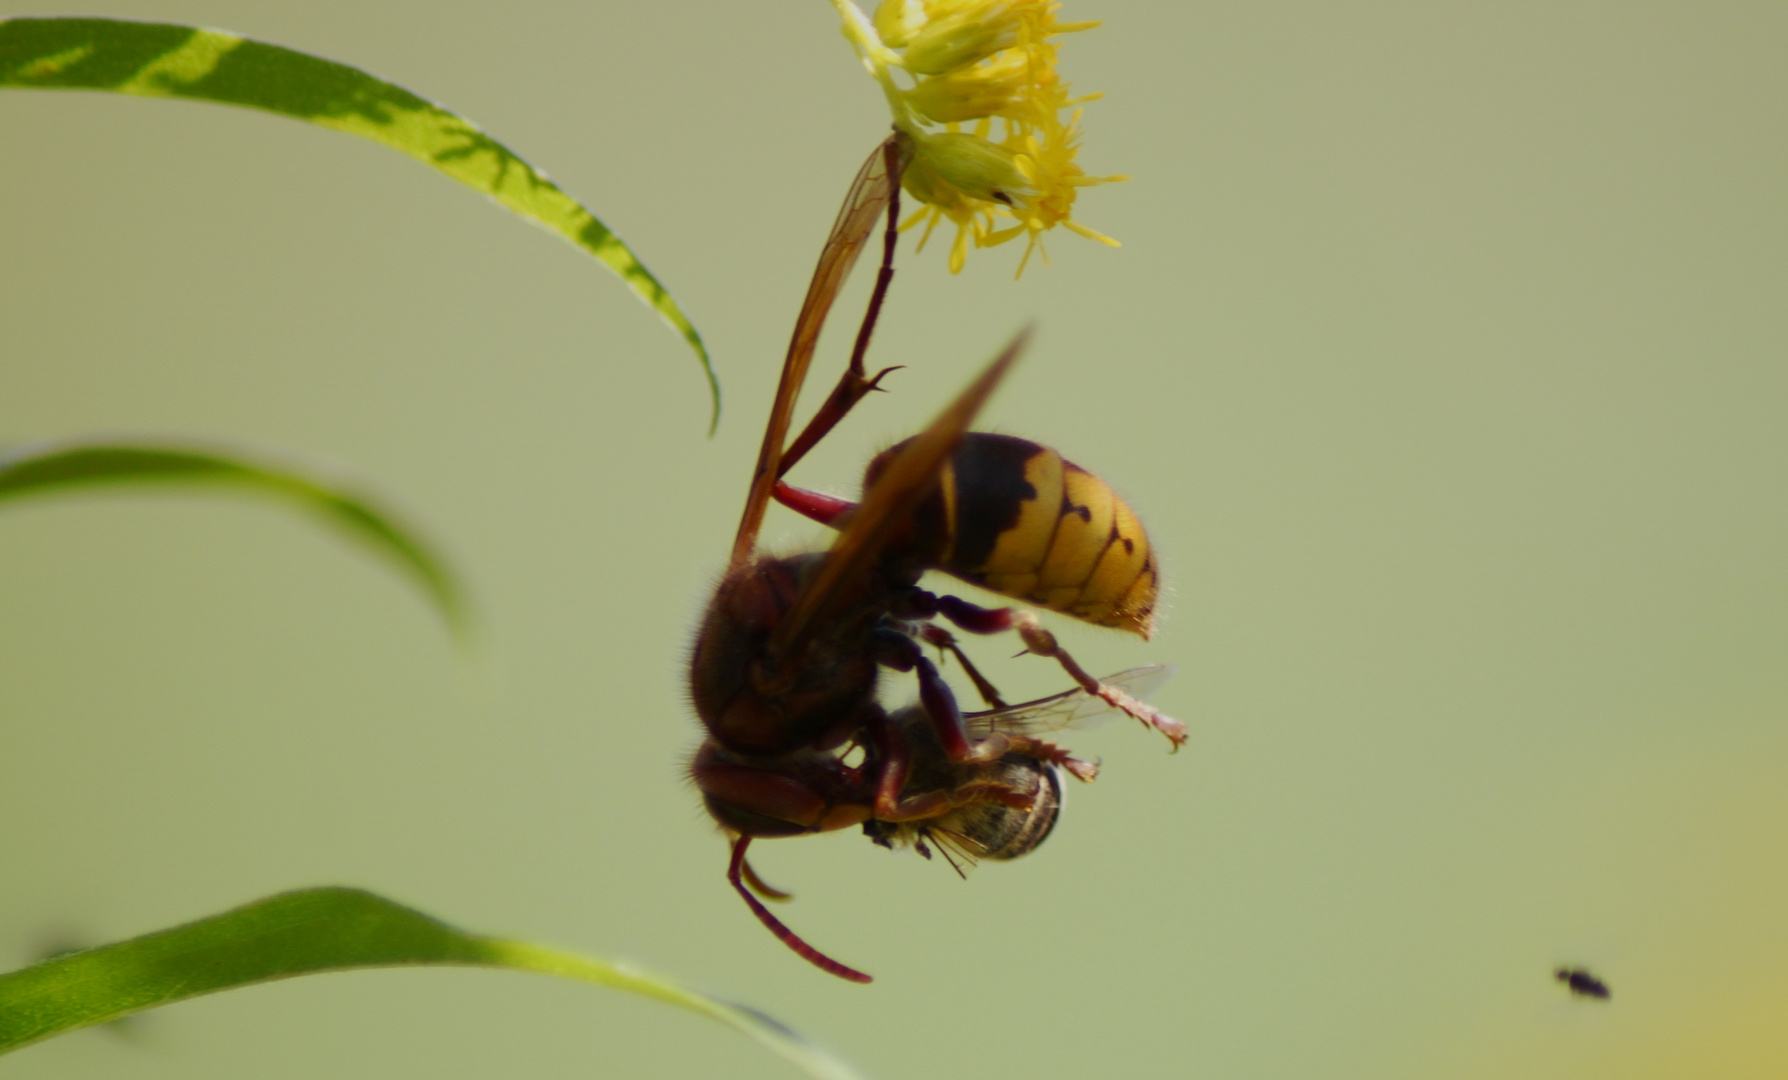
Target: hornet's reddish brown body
<point>787,658</point>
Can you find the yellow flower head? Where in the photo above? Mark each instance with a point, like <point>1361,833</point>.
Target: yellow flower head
<point>974,62</point>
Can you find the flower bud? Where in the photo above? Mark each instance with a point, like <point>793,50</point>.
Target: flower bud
<point>896,21</point>
<point>970,93</point>
<point>969,34</point>
<point>952,165</point>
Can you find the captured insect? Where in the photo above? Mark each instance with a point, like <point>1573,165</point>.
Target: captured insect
<point>787,658</point>
<point>1012,802</point>
<point>1582,983</point>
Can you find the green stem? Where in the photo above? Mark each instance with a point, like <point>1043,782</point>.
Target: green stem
<point>879,60</point>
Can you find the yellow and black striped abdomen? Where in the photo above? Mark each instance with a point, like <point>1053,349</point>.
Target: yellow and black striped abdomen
<point>1021,521</point>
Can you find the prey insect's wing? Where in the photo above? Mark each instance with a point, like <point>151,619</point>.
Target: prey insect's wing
<point>905,483</point>
<point>868,197</point>
<point>1074,709</point>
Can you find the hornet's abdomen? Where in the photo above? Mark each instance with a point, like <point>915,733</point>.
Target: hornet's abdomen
<point>1012,516</point>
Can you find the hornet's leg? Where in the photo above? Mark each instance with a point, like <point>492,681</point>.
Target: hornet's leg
<point>979,620</point>
<point>855,384</point>
<point>898,651</point>
<point>735,875</point>
<point>1055,755</point>
<point>943,639</point>
<point>762,887</point>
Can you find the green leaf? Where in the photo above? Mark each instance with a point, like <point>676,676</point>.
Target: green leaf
<point>318,930</point>
<point>166,60</point>
<point>46,468</point>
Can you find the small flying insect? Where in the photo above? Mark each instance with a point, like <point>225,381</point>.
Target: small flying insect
<point>1582,983</point>
<point>786,660</point>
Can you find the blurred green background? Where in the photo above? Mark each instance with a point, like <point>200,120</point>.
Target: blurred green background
<point>1444,358</point>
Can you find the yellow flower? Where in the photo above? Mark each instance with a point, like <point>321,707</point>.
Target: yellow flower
<point>997,86</point>
<point>954,35</point>
<point>973,62</point>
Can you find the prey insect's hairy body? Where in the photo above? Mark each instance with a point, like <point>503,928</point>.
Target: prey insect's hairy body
<point>1004,808</point>
<point>1013,802</point>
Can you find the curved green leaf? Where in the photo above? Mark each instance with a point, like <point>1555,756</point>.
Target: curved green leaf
<point>166,60</point>
<point>45,468</point>
<point>317,930</point>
